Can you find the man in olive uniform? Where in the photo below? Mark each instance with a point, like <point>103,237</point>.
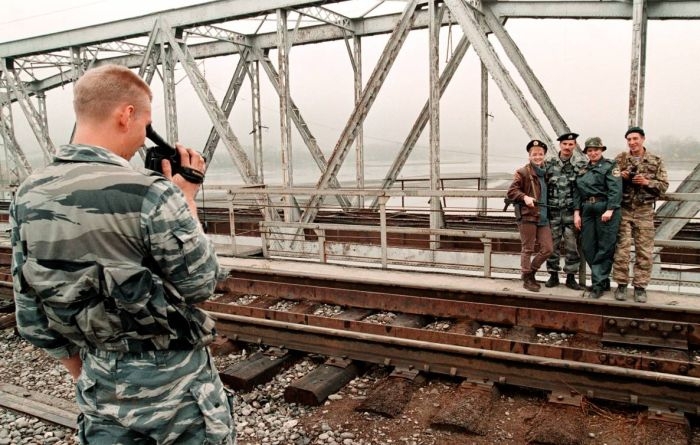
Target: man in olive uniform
<point>644,180</point>
<point>562,171</point>
<point>597,199</point>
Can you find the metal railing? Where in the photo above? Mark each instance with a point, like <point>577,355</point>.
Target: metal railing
<point>392,240</point>
<point>398,234</point>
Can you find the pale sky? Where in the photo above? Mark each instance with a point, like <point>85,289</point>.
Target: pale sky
<point>22,19</point>
<point>583,65</point>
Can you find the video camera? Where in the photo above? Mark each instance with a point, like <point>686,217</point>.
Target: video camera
<point>163,150</point>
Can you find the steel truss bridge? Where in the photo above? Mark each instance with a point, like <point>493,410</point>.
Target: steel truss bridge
<point>158,43</point>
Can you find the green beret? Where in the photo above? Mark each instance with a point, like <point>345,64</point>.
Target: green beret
<point>635,130</point>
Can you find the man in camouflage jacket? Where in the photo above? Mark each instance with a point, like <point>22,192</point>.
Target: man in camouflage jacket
<point>644,179</point>
<point>562,171</point>
<point>108,261</point>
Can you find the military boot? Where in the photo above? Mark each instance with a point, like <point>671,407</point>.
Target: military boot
<point>530,283</point>
<point>594,293</point>
<point>553,280</point>
<point>621,292</point>
<point>640,295</point>
<point>571,282</point>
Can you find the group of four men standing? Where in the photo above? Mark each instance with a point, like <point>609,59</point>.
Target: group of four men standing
<point>644,179</point>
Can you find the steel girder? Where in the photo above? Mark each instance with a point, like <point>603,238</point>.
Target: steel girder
<point>369,94</point>
<point>18,164</point>
<point>34,118</point>
<point>476,34</point>
<point>217,116</point>
<point>303,129</point>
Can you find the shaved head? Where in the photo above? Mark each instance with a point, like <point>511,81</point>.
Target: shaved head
<point>101,90</point>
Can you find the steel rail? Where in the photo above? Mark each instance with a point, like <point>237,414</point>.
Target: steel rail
<point>693,382</point>
<point>594,381</point>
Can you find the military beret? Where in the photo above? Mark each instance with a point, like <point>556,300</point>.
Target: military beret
<point>536,143</point>
<point>635,130</point>
<point>594,142</point>
<point>567,137</point>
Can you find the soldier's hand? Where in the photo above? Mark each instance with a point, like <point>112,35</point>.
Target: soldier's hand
<point>607,215</point>
<point>640,180</point>
<point>529,201</point>
<point>577,220</point>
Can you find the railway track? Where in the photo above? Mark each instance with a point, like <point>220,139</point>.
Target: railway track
<point>487,333</point>
<point>639,354</point>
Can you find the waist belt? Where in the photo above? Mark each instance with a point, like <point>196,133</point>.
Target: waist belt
<point>140,346</point>
<point>594,199</point>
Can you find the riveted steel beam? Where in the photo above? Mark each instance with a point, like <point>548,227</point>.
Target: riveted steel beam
<point>227,103</point>
<point>638,63</point>
<point>476,34</point>
<point>327,16</point>
<point>422,119</point>
<point>19,166</point>
<point>218,33</point>
<point>376,80</point>
<point>303,129</point>
<point>217,116</point>
<point>33,116</point>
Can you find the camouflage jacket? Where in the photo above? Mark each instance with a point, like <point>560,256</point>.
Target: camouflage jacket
<point>653,168</point>
<point>561,181</point>
<point>107,256</point>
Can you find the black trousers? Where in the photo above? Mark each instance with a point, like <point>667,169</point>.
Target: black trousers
<point>598,240</point>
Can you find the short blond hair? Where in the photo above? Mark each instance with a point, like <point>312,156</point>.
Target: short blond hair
<point>100,90</point>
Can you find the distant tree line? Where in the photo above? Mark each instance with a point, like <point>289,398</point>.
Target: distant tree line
<point>674,148</point>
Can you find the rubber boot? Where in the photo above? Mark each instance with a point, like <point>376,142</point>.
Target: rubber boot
<point>553,280</point>
<point>571,282</point>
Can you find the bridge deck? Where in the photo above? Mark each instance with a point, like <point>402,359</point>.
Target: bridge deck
<point>437,280</point>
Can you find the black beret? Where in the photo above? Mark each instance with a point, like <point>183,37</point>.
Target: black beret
<point>567,137</point>
<point>635,130</point>
<point>536,143</point>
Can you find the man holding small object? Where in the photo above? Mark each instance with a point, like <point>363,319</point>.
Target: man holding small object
<point>644,180</point>
<point>108,263</point>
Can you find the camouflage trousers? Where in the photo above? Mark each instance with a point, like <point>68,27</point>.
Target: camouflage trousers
<point>637,226</point>
<point>154,398</point>
<point>563,230</point>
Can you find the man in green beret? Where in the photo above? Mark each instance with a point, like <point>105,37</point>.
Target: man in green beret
<point>644,179</point>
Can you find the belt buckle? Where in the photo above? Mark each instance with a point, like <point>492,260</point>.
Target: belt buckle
<point>591,199</point>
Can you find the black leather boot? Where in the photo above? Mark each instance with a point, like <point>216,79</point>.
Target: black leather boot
<point>553,280</point>
<point>571,282</point>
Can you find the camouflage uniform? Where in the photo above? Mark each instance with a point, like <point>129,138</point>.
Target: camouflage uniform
<point>561,176</point>
<point>108,262</point>
<point>638,218</point>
